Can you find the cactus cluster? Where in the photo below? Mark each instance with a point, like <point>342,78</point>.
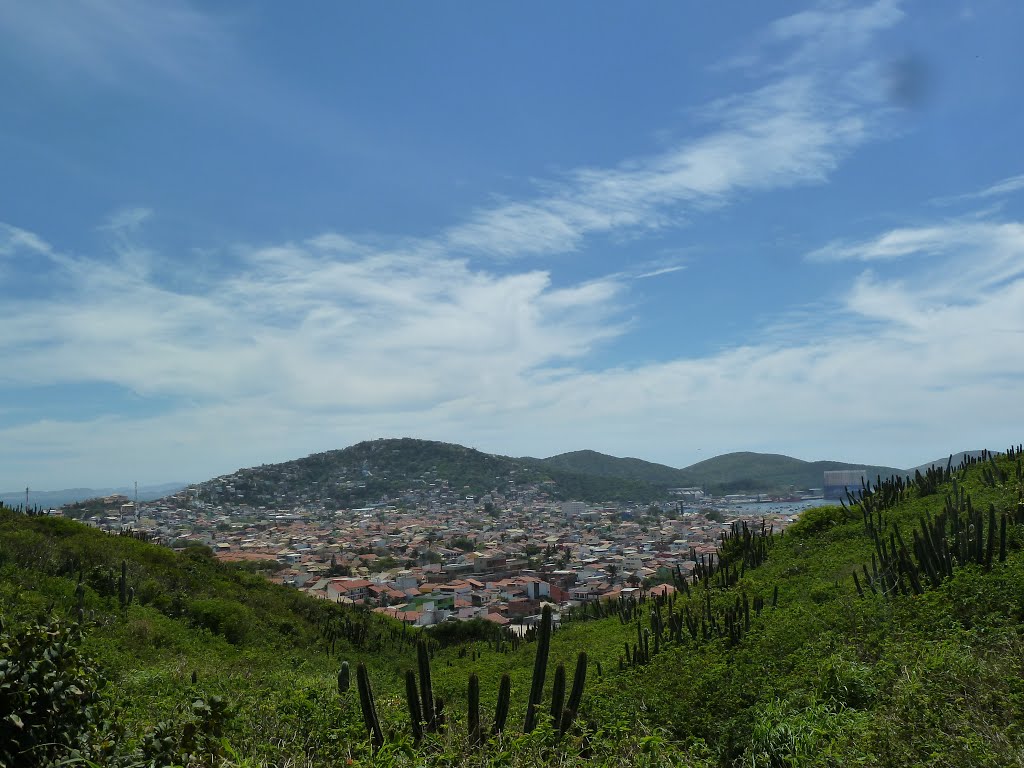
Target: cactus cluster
<point>426,712</point>
<point>957,536</point>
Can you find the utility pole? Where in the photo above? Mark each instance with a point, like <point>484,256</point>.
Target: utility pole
<point>26,499</point>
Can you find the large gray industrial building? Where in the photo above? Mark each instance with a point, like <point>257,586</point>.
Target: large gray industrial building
<point>837,481</point>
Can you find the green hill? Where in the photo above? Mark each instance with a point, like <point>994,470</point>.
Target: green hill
<point>594,463</point>
<point>729,473</point>
<point>374,470</point>
<point>386,469</point>
<point>777,657</point>
<point>954,459</point>
<point>747,471</point>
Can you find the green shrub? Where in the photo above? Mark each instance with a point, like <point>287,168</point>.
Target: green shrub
<point>817,519</point>
<point>227,618</point>
<point>847,683</point>
<point>50,703</point>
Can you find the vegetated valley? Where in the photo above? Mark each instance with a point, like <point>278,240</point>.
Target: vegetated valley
<point>885,632</point>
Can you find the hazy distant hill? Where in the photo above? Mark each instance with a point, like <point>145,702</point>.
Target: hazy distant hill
<point>941,462</point>
<point>375,470</point>
<point>594,463</point>
<point>751,471</point>
<point>731,472</point>
<point>51,499</point>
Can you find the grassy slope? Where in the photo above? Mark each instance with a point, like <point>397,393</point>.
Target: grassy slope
<point>826,678</point>
<point>829,678</point>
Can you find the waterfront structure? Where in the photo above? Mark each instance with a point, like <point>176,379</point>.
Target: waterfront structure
<point>838,481</point>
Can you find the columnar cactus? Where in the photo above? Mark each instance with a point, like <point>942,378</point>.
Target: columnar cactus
<point>558,695</point>
<point>123,585</point>
<point>344,679</point>
<point>426,687</point>
<point>475,733</point>
<point>501,710</point>
<point>576,695</point>
<point>413,701</point>
<point>539,670</point>
<point>368,707</point>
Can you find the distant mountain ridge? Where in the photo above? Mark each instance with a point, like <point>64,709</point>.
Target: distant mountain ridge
<point>955,459</point>
<point>728,473</point>
<point>49,499</point>
<point>594,463</point>
<point>373,471</point>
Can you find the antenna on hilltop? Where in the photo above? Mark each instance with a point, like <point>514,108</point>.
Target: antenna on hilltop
<point>26,499</point>
<point>136,497</point>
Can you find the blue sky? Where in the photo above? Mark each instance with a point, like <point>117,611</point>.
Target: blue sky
<point>234,234</point>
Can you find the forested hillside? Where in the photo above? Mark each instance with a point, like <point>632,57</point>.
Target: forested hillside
<point>746,471</point>
<point>887,632</point>
<point>385,469</point>
<point>388,469</point>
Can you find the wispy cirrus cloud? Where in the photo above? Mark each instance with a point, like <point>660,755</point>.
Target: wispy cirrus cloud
<point>660,271</point>
<point>315,344</point>
<point>1005,187</point>
<point>823,35</point>
<point>304,312</point>
<point>110,40</point>
<point>126,219</point>
<point>1000,189</point>
<point>964,255</point>
<point>916,241</point>
<point>14,240</point>
<point>785,134</point>
<point>824,97</point>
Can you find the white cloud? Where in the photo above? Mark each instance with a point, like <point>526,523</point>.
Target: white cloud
<point>126,219</point>
<point>785,134</point>
<point>1004,187</point>
<point>303,351</point>
<point>1001,188</point>
<point>310,329</point>
<point>936,240</point>
<point>794,130</point>
<point>660,271</point>
<point>110,40</point>
<point>833,29</point>
<point>827,34</point>
<point>13,239</point>
<point>315,344</point>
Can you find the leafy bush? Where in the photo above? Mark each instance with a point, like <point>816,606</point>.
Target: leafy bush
<point>227,618</point>
<point>817,519</point>
<point>197,739</point>
<point>49,697</point>
<point>456,632</point>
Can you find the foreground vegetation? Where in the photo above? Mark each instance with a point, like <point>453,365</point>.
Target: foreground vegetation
<point>887,632</point>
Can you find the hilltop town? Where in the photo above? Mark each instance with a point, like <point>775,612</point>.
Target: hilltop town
<point>428,551</point>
